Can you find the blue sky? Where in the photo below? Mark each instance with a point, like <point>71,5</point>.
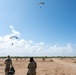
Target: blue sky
<point>53,24</point>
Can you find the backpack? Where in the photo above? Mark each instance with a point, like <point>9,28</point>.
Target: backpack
<point>12,70</point>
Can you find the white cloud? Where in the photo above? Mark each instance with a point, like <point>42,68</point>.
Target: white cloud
<point>30,48</point>
<point>15,33</point>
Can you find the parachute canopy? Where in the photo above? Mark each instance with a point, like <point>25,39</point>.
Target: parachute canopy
<point>14,37</point>
<point>41,3</point>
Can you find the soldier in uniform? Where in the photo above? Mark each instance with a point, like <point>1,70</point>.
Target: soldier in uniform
<point>32,67</point>
<point>8,64</point>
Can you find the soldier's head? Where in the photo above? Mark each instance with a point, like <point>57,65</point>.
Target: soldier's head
<point>31,59</point>
<point>8,56</point>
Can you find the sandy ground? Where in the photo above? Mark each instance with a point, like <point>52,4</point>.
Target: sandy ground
<point>58,66</point>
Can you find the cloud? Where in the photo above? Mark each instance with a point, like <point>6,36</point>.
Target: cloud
<point>15,33</point>
<point>22,47</point>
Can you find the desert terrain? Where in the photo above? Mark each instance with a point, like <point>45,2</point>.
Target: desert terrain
<point>51,66</point>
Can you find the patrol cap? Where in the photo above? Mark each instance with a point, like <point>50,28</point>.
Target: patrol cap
<point>31,59</point>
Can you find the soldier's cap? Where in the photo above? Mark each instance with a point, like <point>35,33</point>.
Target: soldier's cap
<point>31,59</point>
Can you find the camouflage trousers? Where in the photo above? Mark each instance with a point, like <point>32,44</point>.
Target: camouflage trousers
<point>7,71</point>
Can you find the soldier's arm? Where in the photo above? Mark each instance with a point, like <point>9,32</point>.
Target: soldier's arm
<point>5,62</point>
<point>28,66</point>
<point>35,65</point>
<point>11,62</point>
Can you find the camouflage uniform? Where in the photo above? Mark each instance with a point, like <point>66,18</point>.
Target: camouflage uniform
<point>32,68</point>
<point>8,63</point>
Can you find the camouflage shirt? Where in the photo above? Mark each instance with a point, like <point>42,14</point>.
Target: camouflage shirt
<point>8,62</point>
<point>32,66</point>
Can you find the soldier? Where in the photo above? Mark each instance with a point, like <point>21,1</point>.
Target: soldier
<point>8,64</point>
<point>32,67</point>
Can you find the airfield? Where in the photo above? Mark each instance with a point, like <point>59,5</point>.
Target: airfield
<point>45,66</point>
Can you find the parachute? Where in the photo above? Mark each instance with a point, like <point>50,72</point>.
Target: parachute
<point>13,37</point>
<point>41,3</point>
